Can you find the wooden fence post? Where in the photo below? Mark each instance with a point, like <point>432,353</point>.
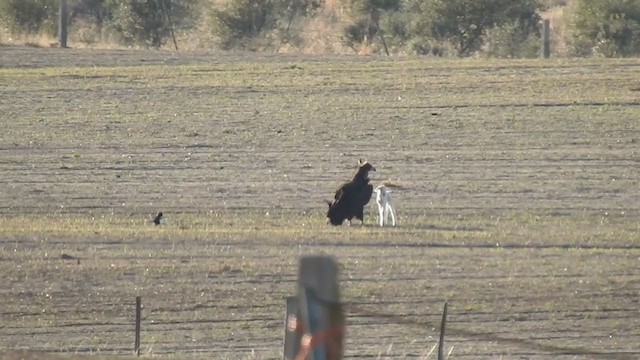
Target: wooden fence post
<point>322,317</point>
<point>442,326</point>
<point>292,336</point>
<point>138,319</point>
<point>62,24</point>
<point>546,46</point>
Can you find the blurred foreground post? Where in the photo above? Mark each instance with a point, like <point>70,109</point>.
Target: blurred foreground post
<point>321,315</point>
<point>62,24</point>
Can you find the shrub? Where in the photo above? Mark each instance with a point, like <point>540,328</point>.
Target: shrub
<point>357,33</point>
<point>29,16</point>
<point>420,19</point>
<point>512,40</point>
<point>366,23</point>
<point>608,28</point>
<point>89,10</point>
<point>242,20</point>
<point>448,26</point>
<point>465,23</point>
<point>144,22</point>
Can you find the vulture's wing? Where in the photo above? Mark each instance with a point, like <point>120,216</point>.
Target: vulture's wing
<point>345,189</point>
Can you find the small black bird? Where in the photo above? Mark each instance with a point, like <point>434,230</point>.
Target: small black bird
<point>159,219</point>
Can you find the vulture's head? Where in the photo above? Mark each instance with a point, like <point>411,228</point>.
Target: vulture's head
<point>364,168</point>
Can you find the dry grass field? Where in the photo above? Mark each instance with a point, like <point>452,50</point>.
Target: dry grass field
<point>518,200</point>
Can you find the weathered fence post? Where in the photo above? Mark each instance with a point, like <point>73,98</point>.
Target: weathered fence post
<point>62,24</point>
<point>292,336</point>
<point>138,319</point>
<point>442,326</point>
<point>321,314</point>
<point>546,46</point>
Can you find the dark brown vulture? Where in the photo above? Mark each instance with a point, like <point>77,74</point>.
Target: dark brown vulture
<point>350,198</point>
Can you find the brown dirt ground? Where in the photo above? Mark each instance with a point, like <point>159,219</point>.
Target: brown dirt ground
<point>518,205</point>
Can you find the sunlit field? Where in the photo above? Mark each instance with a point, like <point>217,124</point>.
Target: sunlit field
<point>516,184</point>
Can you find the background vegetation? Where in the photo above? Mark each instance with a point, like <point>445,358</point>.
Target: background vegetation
<point>497,28</point>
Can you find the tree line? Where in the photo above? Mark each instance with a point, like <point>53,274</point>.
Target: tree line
<point>502,28</point>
